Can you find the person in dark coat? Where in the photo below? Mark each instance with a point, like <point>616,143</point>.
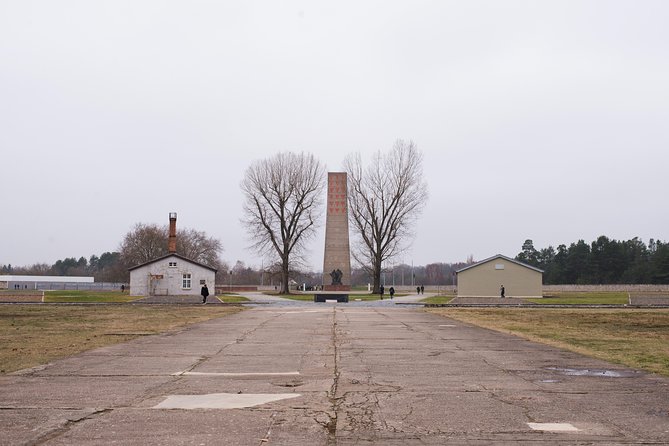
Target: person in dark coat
<point>501,291</point>
<point>381,291</point>
<point>422,289</point>
<point>392,292</point>
<point>204,292</point>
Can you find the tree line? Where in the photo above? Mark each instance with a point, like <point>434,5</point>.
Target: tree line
<point>604,261</point>
<point>105,268</point>
<point>143,243</point>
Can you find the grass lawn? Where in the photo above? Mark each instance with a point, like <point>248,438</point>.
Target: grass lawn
<point>232,298</point>
<point>87,296</point>
<point>444,299</point>
<point>36,334</point>
<point>635,338</point>
<point>584,298</point>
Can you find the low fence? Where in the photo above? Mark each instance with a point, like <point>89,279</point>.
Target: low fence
<point>54,286</point>
<point>616,288</point>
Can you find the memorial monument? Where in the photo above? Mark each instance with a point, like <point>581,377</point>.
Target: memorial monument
<point>337,257</point>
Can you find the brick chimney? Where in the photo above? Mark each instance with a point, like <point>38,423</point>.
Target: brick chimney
<point>172,241</point>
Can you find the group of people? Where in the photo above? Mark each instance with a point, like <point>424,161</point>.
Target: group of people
<point>382,290</point>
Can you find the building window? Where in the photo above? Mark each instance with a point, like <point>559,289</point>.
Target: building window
<point>185,283</point>
<point>203,282</point>
<point>499,266</point>
<point>173,264</point>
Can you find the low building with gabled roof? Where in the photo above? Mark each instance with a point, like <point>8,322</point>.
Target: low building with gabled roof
<point>170,275</point>
<point>485,278</point>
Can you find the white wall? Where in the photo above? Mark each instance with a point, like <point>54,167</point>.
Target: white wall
<point>171,283</point>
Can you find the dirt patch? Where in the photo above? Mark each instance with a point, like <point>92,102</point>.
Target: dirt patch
<point>31,335</point>
<point>634,338</point>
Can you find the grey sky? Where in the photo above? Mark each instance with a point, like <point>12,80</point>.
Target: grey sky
<point>537,119</point>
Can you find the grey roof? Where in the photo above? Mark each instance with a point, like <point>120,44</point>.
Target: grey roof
<point>500,256</point>
<point>173,255</point>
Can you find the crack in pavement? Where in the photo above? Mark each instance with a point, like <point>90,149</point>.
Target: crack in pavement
<point>265,439</point>
<point>57,432</point>
<point>332,394</point>
<point>363,411</point>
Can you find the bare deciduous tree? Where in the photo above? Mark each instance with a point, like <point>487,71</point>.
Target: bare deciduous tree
<point>147,242</point>
<point>283,198</point>
<point>198,246</point>
<point>143,243</point>
<point>385,199</point>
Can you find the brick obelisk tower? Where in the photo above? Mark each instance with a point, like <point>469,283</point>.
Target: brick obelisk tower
<point>337,258</point>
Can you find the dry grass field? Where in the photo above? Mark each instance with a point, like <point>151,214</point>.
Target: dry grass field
<point>635,338</point>
<point>37,334</point>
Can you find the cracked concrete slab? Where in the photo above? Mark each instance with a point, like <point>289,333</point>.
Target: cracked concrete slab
<point>377,375</point>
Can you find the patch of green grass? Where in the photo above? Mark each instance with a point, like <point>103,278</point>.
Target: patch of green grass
<point>232,298</point>
<point>300,297</point>
<point>634,338</point>
<point>437,299</point>
<point>584,298</point>
<point>81,296</point>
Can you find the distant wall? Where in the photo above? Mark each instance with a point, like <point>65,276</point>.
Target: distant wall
<point>620,288</point>
<point>96,286</point>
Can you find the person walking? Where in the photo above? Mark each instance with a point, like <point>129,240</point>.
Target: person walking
<point>381,291</point>
<point>422,289</point>
<point>204,292</point>
<point>392,292</point>
<point>501,291</point>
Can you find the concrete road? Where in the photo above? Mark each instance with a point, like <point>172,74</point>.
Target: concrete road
<point>332,374</point>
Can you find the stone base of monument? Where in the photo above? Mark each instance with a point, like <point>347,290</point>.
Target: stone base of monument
<point>324,296</point>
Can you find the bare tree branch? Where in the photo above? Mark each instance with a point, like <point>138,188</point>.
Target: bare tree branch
<point>147,242</point>
<point>283,202</point>
<point>385,200</point>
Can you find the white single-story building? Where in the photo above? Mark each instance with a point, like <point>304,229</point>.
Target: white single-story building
<point>485,278</point>
<point>171,275</point>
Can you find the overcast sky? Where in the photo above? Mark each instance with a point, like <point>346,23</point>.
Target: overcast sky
<point>546,120</point>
